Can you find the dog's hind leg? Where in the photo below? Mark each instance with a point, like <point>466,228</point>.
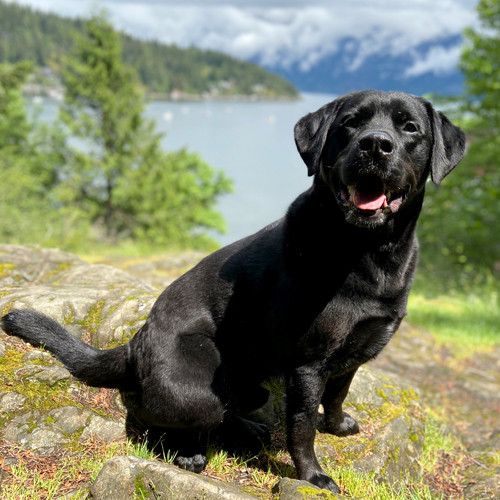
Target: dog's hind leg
<point>181,396</point>
<point>186,449</point>
<point>337,421</point>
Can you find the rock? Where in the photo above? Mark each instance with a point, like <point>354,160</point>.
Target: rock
<point>11,401</point>
<point>464,389</point>
<point>160,272</point>
<point>484,486</point>
<point>32,433</point>
<point>130,477</point>
<point>391,429</point>
<point>293,489</point>
<point>103,302</point>
<point>30,264</point>
<point>483,482</point>
<point>38,356</point>
<point>2,349</point>
<point>49,374</point>
<point>103,429</point>
<point>69,419</point>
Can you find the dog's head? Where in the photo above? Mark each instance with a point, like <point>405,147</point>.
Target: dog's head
<point>375,151</point>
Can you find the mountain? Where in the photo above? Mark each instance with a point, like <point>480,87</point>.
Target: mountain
<point>164,69</point>
<point>332,74</point>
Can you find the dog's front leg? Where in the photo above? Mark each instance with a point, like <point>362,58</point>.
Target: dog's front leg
<point>337,421</point>
<point>305,387</point>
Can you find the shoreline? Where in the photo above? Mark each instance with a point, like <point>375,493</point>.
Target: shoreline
<point>34,91</point>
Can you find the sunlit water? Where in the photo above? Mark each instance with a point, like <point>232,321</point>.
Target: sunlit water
<point>251,141</point>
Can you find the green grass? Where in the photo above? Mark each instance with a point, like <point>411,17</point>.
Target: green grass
<point>50,477</point>
<point>438,441</point>
<point>357,485</point>
<point>463,323</point>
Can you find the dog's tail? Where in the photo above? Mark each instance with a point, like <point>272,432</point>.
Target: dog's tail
<point>95,367</point>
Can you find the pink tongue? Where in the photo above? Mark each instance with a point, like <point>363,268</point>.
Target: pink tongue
<point>366,201</point>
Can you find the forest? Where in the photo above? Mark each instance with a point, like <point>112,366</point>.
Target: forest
<point>46,39</point>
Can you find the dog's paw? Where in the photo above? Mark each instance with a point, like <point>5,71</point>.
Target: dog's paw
<point>196,463</point>
<point>344,427</point>
<point>321,480</point>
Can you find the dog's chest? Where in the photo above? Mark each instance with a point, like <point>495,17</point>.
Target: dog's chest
<point>360,319</point>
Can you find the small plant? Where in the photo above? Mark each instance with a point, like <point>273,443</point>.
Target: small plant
<point>141,450</point>
<point>218,460</point>
<point>262,478</point>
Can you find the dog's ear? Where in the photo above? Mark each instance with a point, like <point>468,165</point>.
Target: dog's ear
<point>448,148</point>
<point>311,132</point>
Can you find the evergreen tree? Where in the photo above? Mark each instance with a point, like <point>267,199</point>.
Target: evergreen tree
<point>103,107</point>
<point>120,150</point>
<point>459,225</point>
<point>14,126</point>
<point>29,161</point>
<point>170,199</point>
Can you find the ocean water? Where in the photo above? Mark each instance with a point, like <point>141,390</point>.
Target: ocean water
<point>251,141</point>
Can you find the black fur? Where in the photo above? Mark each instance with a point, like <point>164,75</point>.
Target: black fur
<point>310,297</point>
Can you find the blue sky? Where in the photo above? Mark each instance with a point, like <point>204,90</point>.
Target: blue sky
<point>284,32</point>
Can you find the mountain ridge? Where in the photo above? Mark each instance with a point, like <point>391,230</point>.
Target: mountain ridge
<point>333,75</point>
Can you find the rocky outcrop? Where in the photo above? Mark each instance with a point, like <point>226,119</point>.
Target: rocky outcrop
<point>124,477</point>
<point>44,410</point>
<point>101,302</point>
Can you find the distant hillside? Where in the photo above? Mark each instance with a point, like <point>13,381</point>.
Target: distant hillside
<point>45,38</point>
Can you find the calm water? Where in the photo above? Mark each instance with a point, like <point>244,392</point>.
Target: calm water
<point>251,141</point>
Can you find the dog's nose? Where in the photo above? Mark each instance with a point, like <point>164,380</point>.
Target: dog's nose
<point>376,143</point>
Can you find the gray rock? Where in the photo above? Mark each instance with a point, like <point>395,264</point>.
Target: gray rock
<point>38,356</point>
<point>484,486</point>
<point>124,477</point>
<point>324,451</point>
<point>46,441</point>
<point>293,489</point>
<point>394,449</point>
<point>2,349</point>
<point>49,374</point>
<point>17,428</point>
<point>104,429</point>
<point>105,302</point>
<point>69,419</point>
<point>32,433</point>
<point>11,401</point>
<point>31,264</point>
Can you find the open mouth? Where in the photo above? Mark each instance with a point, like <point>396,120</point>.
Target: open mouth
<point>369,196</point>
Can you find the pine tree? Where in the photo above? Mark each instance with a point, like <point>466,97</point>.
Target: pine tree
<point>120,150</point>
<point>458,225</point>
<point>29,164</point>
<point>14,126</point>
<point>103,107</point>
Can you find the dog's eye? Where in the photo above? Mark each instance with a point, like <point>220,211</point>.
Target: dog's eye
<point>410,127</point>
<point>350,121</point>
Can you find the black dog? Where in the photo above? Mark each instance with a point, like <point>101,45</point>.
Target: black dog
<point>310,297</point>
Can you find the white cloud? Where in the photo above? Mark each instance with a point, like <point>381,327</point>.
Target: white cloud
<point>284,32</point>
<point>438,60</point>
